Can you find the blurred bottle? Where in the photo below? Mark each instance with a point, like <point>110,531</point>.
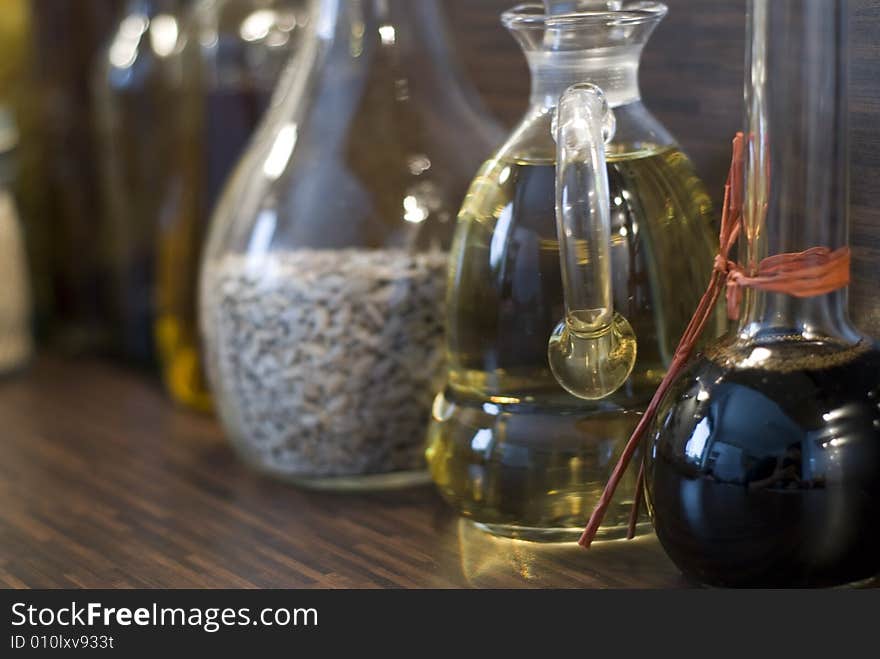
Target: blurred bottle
<point>16,344</point>
<point>234,53</point>
<point>57,183</point>
<point>14,36</point>
<point>136,89</point>
<point>15,331</point>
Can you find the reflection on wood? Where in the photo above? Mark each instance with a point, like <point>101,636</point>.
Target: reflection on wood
<point>105,484</point>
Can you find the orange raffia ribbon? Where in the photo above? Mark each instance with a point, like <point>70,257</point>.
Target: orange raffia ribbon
<point>816,271</point>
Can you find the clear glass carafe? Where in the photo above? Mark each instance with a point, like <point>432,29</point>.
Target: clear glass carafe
<point>233,53</point>
<point>323,282</point>
<point>764,461</point>
<point>510,447</point>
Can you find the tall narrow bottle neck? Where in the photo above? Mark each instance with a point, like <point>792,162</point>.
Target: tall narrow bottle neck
<point>796,174</point>
<point>614,70</point>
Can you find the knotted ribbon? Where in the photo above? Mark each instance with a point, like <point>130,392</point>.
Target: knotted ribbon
<point>813,272</point>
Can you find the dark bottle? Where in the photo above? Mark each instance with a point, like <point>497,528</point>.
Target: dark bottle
<point>764,463</point>
<point>58,183</point>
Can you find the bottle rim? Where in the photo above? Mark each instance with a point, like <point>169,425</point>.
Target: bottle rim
<point>532,15</point>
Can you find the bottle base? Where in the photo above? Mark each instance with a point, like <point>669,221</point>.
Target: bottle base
<point>765,476</point>
<point>529,470</point>
<point>181,365</point>
<point>858,584</point>
<point>868,582</point>
<point>559,535</point>
<point>398,480</point>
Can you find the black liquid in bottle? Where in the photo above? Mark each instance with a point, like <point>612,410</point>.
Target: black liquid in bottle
<point>766,469</point>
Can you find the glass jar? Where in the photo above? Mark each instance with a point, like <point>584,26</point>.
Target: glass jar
<point>233,55</point>
<point>324,278</point>
<point>763,466</point>
<point>510,447</point>
<point>138,77</point>
<point>16,344</point>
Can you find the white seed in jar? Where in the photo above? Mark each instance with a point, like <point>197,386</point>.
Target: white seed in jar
<point>328,363</point>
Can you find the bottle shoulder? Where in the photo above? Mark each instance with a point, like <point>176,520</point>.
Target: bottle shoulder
<point>638,134</point>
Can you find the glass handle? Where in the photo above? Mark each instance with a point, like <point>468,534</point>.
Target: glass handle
<point>593,350</point>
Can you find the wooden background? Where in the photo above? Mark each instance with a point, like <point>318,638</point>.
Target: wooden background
<point>692,80</point>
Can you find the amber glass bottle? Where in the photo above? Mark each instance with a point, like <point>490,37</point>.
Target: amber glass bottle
<point>233,54</point>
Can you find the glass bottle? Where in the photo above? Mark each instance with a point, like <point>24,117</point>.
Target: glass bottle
<point>15,101</point>
<point>324,277</point>
<point>510,447</point>
<point>59,184</point>
<point>233,56</point>
<point>16,344</point>
<point>764,462</point>
<point>138,80</point>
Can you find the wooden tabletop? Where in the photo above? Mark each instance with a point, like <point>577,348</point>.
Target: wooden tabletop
<point>104,483</point>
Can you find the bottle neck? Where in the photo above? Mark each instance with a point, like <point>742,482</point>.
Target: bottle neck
<point>815,318</point>
<point>614,70</point>
<point>796,171</point>
<point>398,51</point>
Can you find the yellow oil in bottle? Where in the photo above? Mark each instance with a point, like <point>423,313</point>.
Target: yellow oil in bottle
<point>508,447</point>
<point>181,236</point>
<point>215,127</point>
<point>182,371</point>
<point>176,325</point>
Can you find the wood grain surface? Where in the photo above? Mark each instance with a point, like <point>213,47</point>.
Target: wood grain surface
<point>105,484</point>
